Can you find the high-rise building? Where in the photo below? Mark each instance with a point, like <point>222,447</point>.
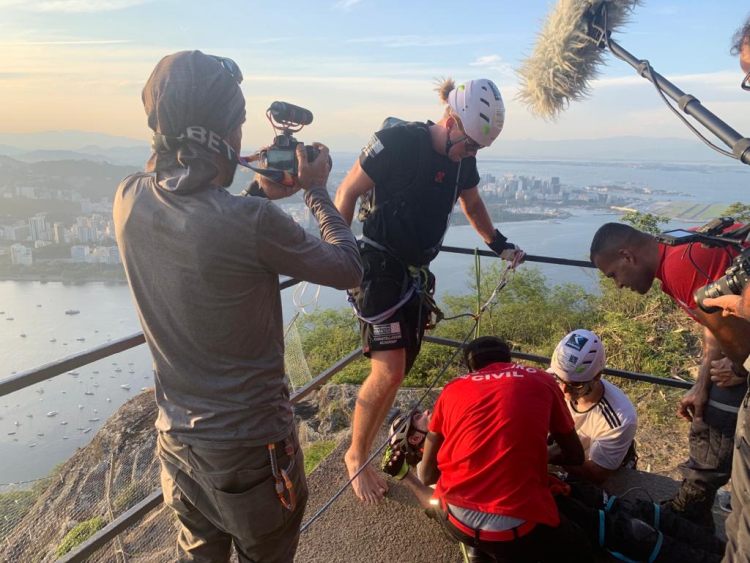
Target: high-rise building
<point>38,226</point>
<point>21,255</point>
<point>60,235</point>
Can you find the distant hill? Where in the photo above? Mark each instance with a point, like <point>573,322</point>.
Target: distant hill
<point>79,145</point>
<point>91,179</point>
<point>632,149</point>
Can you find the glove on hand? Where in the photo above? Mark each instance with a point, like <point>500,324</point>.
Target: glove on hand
<point>394,462</point>
<point>504,249</point>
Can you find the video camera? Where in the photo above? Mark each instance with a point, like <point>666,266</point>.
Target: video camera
<point>286,119</point>
<point>714,233</point>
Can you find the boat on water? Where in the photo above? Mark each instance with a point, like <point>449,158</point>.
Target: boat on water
<point>81,339</point>
<point>73,373</point>
<point>9,319</point>
<point>52,413</point>
<point>87,430</point>
<point>23,335</point>
<point>118,370</point>
<point>94,419</point>
<point>53,339</point>
<point>63,422</point>
<point>125,386</point>
<point>72,312</point>
<point>89,393</point>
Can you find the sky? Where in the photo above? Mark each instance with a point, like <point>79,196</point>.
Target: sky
<point>81,64</point>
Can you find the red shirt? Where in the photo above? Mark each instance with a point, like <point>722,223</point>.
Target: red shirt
<point>494,456</point>
<point>683,269</point>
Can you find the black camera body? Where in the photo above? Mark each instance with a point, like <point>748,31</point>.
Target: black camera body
<point>286,119</point>
<point>732,282</point>
<point>282,154</point>
<point>715,234</point>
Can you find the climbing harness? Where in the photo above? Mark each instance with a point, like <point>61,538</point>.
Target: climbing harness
<point>510,267</point>
<point>417,283</point>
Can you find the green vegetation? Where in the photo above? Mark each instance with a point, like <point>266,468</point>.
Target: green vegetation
<point>738,210</point>
<point>14,505</point>
<point>317,452</point>
<point>66,272</point>
<point>79,534</point>
<point>646,222</point>
<point>642,333</point>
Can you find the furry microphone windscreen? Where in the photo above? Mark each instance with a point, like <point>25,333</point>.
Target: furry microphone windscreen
<point>566,56</point>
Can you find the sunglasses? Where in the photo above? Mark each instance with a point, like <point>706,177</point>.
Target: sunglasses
<point>469,144</point>
<point>746,82</point>
<point>570,385</point>
<point>230,66</point>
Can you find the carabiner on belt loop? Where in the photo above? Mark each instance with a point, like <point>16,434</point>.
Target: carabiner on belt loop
<point>282,481</point>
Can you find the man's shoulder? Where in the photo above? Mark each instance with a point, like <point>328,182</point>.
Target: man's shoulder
<point>403,136</point>
<point>616,406</point>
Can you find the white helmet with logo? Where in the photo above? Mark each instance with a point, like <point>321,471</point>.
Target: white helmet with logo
<point>479,106</point>
<point>579,357</point>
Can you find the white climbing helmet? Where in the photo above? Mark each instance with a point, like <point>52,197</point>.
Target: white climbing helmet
<point>579,357</point>
<point>479,106</point>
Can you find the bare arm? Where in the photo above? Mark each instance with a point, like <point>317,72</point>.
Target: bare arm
<point>731,333</point>
<point>355,184</point>
<point>590,471</point>
<point>429,467</point>
<point>694,401</point>
<point>476,212</point>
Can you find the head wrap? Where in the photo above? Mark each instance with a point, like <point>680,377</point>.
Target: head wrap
<point>190,89</point>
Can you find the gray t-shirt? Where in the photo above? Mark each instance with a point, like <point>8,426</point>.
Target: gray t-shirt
<point>203,269</point>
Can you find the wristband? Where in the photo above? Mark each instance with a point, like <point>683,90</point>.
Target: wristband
<point>499,243</point>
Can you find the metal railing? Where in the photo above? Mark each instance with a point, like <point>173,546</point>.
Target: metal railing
<point>134,514</point>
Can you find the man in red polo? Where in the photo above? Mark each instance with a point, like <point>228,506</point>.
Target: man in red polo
<point>487,451</point>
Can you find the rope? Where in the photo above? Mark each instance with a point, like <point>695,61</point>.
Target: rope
<point>501,284</point>
<point>299,293</point>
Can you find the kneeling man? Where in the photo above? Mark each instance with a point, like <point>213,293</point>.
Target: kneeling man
<point>604,417</point>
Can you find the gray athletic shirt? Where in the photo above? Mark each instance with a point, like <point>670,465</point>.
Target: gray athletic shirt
<point>203,269</point>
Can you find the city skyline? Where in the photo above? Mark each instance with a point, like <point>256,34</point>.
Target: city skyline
<point>81,64</point>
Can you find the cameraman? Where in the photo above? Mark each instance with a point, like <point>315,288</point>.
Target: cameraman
<point>203,267</point>
<point>633,259</point>
<point>738,523</point>
<point>413,174</point>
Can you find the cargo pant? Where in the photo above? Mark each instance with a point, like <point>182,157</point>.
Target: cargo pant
<point>227,496</point>
<point>738,523</point>
<point>710,463</point>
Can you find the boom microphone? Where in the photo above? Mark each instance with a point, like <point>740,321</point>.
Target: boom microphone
<point>567,53</point>
<point>571,48</point>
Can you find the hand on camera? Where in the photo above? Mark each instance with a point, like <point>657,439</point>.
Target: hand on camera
<point>730,304</point>
<point>313,174</point>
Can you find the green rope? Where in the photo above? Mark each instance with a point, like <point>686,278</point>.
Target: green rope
<point>478,273</point>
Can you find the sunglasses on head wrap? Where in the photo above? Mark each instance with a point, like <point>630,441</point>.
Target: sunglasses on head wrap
<point>230,66</point>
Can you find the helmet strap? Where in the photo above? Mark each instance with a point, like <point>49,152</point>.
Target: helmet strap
<point>449,144</point>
